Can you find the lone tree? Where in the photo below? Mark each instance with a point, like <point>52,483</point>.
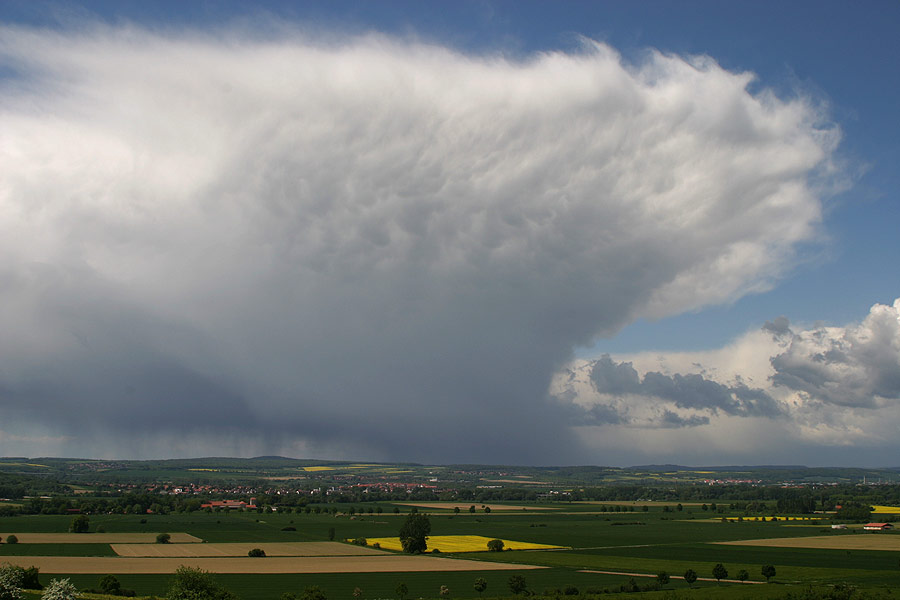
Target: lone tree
<point>480,585</point>
<point>768,571</point>
<point>109,585</point>
<point>256,553</point>
<point>196,584</point>
<point>495,545</point>
<point>80,524</point>
<point>163,538</point>
<point>413,533</point>
<point>662,578</point>
<point>743,575</point>
<point>402,590</point>
<point>517,584</point>
<point>12,539</point>
<point>690,576</point>
<point>720,572</point>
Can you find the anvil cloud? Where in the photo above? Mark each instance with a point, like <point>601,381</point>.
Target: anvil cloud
<point>365,246</point>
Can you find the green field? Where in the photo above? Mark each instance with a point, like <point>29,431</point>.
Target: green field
<point>638,542</point>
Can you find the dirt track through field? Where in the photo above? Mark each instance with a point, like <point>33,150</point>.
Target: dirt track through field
<point>98,538</point>
<point>865,541</point>
<point>241,549</point>
<point>71,565</point>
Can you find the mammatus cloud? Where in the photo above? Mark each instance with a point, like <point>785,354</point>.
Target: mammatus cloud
<point>820,394</point>
<point>367,247</point>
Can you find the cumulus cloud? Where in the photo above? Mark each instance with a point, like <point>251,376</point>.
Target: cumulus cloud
<point>854,366</point>
<point>820,394</point>
<point>368,246</point>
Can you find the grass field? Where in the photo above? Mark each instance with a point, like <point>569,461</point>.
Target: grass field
<point>99,538</point>
<point>461,543</point>
<point>633,542</point>
<point>479,507</point>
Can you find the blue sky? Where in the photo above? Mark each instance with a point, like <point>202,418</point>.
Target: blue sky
<point>835,59</point>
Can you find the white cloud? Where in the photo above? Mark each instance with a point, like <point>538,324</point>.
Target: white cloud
<point>340,245</point>
<point>827,393</point>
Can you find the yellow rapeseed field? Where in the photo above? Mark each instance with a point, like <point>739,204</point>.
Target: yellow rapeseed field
<point>881,510</point>
<point>313,469</point>
<point>460,543</point>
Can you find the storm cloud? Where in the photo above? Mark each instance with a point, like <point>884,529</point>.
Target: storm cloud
<point>367,247</point>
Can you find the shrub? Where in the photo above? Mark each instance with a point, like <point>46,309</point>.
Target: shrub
<point>570,590</point>
<point>360,541</point>
<point>11,582</point>
<point>256,553</point>
<point>60,589</point>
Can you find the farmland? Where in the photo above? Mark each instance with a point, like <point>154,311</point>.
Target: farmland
<point>304,518</point>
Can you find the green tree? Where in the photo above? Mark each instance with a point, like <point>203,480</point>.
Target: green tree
<point>163,538</point>
<point>60,589</point>
<point>331,533</point>
<point>487,509</point>
<point>80,524</point>
<point>455,510</point>
<point>768,571</point>
<point>109,585</point>
<point>720,572</point>
<point>413,533</point>
<point>402,590</point>
<point>517,584</point>
<point>196,584</point>
<point>662,578</point>
<point>743,575</point>
<point>495,545</point>
<point>12,539</point>
<point>480,585</point>
<point>690,576</point>
<point>313,592</point>
<point>256,553</point>
<point>472,509</point>
<point>679,508</point>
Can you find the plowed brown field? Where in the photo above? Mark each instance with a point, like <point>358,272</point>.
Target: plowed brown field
<point>241,549</point>
<point>872,541</point>
<point>276,564</point>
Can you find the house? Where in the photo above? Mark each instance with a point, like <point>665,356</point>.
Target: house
<point>877,526</point>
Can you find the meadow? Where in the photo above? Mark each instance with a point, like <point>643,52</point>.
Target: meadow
<point>640,542</point>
